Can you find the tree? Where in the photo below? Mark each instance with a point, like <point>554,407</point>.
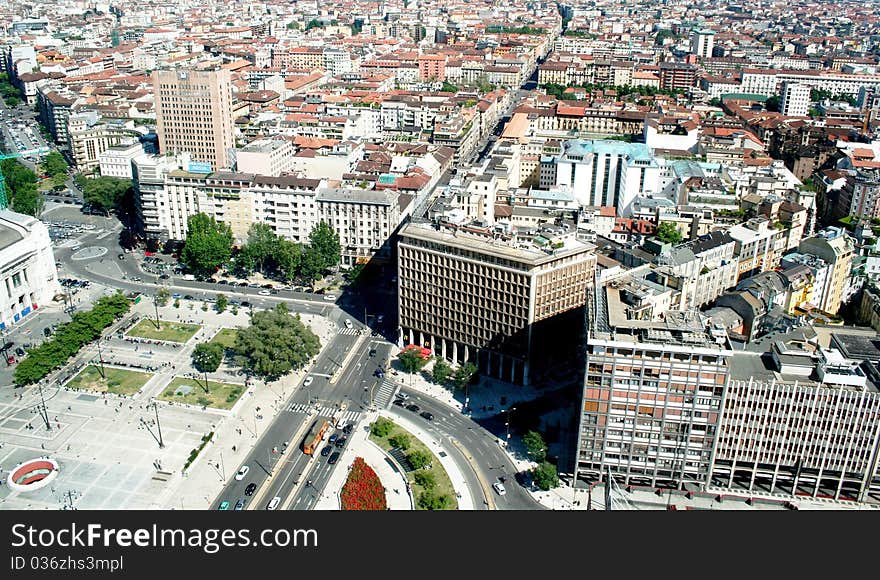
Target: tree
<point>463,375</point>
<point>412,359</point>
<point>442,371</point>
<point>668,233</point>
<point>162,296</point>
<point>400,441</point>
<point>288,257</point>
<point>28,200</point>
<point>222,303</point>
<point>381,427</point>
<point>311,267</point>
<point>55,165</point>
<point>535,446</point>
<point>545,476</point>
<point>261,244</point>
<point>430,500</point>
<point>772,103</point>
<point>449,87</point>
<point>275,343</point>
<point>208,244</point>
<point>106,193</point>
<point>325,241</point>
<point>419,459</point>
<point>425,479</point>
<point>206,358</point>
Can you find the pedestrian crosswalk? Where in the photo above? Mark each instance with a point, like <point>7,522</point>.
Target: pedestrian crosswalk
<point>348,416</point>
<point>349,331</point>
<point>385,393</point>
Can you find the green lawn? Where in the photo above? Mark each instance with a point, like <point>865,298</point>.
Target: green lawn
<point>118,381</point>
<point>219,395</point>
<point>226,337</point>
<point>444,484</point>
<point>170,331</point>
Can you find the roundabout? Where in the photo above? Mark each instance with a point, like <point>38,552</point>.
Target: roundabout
<point>88,253</point>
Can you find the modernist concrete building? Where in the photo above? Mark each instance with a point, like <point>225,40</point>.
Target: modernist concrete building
<point>27,267</point>
<point>194,114</point>
<point>473,296</point>
<point>653,393</point>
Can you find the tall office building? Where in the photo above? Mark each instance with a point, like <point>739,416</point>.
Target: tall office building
<point>472,296</point>
<point>795,101</point>
<point>653,393</point>
<point>702,43</point>
<point>194,114</point>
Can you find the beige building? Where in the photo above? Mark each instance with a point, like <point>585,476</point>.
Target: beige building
<point>471,295</point>
<point>265,157</point>
<point>836,248</point>
<point>194,114</point>
<point>89,136</point>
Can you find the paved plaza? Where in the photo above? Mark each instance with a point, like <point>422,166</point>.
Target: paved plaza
<point>107,445</point>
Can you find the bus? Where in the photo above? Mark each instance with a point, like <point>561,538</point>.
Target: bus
<point>314,436</point>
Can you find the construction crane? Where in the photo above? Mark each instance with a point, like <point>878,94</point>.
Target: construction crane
<point>4,200</point>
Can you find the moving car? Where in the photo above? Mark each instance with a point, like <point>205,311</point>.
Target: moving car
<point>333,458</point>
<point>427,415</point>
<point>348,323</point>
<point>499,488</point>
<point>308,381</point>
<point>239,505</point>
<point>413,408</point>
<point>402,396</point>
<point>326,451</point>
<point>340,443</point>
<point>333,438</point>
<point>224,505</point>
<point>264,293</point>
<point>250,489</point>
<point>242,473</point>
<point>274,503</point>
<point>330,297</point>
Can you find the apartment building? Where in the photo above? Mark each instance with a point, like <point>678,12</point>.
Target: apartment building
<point>700,270</point>
<point>116,161</point>
<point>194,114</point>
<point>653,394</point>
<point>702,42</point>
<point>795,100</point>
<point>365,220</point>
<point>836,249</point>
<point>473,295</point>
<point>90,135</point>
<point>265,157</point>
<point>759,246</point>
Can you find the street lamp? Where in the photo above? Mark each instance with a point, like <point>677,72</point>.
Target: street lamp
<point>507,424</point>
<point>101,357</point>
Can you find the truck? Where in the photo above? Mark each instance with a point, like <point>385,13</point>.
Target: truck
<point>314,436</point>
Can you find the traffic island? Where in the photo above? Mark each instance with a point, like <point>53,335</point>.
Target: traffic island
<point>189,391</point>
<point>430,484</point>
<point>114,381</point>
<point>167,331</point>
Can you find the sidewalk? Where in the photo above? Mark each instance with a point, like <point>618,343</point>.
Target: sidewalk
<point>396,488</point>
<point>203,480</point>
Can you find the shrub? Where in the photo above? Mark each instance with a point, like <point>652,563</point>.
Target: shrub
<point>363,490</point>
<point>419,459</point>
<point>401,441</point>
<point>425,479</point>
<point>430,500</point>
<point>381,427</point>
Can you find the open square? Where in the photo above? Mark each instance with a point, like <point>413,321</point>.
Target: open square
<point>117,381</point>
<point>192,392</point>
<point>170,331</point>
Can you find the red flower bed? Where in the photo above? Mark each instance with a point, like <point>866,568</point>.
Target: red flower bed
<point>363,490</point>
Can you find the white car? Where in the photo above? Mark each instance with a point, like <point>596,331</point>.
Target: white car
<point>264,293</point>
<point>308,381</point>
<point>330,297</point>
<point>242,473</point>
<point>347,323</point>
<point>499,488</point>
<point>274,503</point>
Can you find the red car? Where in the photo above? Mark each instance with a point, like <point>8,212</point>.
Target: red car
<point>11,360</point>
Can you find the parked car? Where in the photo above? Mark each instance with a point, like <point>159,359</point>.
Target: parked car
<point>413,408</point>
<point>242,472</point>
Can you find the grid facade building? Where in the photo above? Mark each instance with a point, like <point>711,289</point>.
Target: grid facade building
<point>799,439</point>
<point>474,299</point>
<point>194,114</point>
<point>653,394</point>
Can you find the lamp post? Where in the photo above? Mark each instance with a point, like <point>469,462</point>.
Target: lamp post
<point>101,358</point>
<point>507,424</point>
<point>158,425</point>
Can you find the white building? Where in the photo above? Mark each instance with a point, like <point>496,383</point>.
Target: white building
<point>27,267</point>
<point>270,157</point>
<point>702,42</point>
<point>116,161</point>
<point>795,99</point>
